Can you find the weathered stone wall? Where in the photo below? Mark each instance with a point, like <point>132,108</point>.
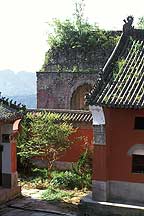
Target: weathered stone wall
<point>86,58</point>
<point>77,60</point>
<point>55,90</point>
<point>68,70</point>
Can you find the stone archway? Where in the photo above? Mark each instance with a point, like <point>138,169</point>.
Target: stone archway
<point>77,99</point>
<point>55,90</point>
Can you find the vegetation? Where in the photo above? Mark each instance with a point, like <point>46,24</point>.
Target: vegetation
<point>118,67</point>
<point>43,134</point>
<point>75,39</point>
<point>53,193</point>
<point>141,23</point>
<point>63,185</point>
<point>80,175</point>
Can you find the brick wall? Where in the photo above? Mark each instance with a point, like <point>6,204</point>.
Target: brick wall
<point>55,90</point>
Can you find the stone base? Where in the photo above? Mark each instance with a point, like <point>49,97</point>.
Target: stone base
<point>9,180</point>
<point>60,165</point>
<point>7,194</point>
<point>88,207</point>
<point>99,190</point>
<point>118,191</point>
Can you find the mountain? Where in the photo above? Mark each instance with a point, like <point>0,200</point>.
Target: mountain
<point>19,86</point>
<point>21,83</point>
<point>28,100</point>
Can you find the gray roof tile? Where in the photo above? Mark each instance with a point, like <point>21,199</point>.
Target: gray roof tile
<point>10,111</point>
<point>70,115</point>
<point>122,82</point>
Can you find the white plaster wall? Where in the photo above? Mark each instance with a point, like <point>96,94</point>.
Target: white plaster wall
<point>98,115</point>
<point>6,158</point>
<point>6,154</point>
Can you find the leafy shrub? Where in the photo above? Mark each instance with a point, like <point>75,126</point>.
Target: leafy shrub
<point>84,164</point>
<point>70,180</point>
<point>66,180</point>
<point>42,173</point>
<point>53,193</point>
<point>80,175</point>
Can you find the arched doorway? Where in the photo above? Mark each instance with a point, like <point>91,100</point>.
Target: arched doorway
<point>77,100</point>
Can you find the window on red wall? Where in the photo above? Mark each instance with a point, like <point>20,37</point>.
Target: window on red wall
<point>138,163</point>
<point>139,123</point>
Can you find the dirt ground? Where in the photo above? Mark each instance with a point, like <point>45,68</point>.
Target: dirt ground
<point>32,200</point>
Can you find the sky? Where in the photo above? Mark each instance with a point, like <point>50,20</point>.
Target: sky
<point>24,26</point>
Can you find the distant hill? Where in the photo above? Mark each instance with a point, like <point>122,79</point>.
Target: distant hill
<point>28,100</point>
<point>20,86</point>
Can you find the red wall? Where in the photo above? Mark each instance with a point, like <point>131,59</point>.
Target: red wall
<point>120,137</point>
<point>74,152</point>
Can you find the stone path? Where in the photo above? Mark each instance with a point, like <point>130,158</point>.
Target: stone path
<point>31,205</point>
<point>8,211</point>
<point>17,208</point>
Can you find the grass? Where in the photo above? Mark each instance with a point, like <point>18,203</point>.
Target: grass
<point>56,194</point>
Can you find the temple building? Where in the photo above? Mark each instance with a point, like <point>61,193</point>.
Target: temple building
<point>10,116</point>
<point>117,105</point>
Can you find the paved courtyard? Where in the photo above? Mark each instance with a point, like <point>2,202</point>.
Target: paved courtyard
<point>30,204</point>
<point>27,206</point>
<point>8,211</point>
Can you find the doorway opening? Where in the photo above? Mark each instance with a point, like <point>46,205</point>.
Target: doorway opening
<point>78,97</point>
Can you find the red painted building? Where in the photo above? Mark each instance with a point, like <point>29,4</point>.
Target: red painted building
<point>10,116</point>
<point>117,104</point>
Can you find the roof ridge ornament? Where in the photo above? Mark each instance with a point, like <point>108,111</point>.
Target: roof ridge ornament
<point>127,27</point>
<point>11,104</point>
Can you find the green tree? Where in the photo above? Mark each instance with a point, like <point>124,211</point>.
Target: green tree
<point>141,22</point>
<point>75,36</point>
<point>43,134</point>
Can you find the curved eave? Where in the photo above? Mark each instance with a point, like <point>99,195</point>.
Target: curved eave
<point>126,88</point>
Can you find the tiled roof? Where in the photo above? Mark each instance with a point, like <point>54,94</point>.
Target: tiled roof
<point>10,111</point>
<point>70,115</point>
<point>122,82</point>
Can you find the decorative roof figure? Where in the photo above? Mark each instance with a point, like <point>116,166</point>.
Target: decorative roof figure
<point>10,110</point>
<point>127,27</point>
